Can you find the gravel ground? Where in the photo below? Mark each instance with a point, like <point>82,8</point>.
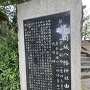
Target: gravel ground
<point>86,83</point>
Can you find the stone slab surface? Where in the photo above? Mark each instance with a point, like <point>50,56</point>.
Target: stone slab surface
<point>38,8</point>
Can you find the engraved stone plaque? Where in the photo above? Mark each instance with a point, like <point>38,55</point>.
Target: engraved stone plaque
<point>47,52</point>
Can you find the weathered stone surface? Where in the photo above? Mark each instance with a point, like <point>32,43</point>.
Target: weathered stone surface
<point>38,8</point>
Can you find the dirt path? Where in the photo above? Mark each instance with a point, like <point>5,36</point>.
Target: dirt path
<point>86,83</point>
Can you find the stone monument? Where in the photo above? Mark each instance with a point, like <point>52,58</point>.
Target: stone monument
<point>49,44</point>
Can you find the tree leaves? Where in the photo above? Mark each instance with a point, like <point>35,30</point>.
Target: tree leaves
<point>3,17</point>
<point>9,61</point>
<point>86,27</point>
<point>10,2</point>
<point>9,58</point>
<point>9,70</point>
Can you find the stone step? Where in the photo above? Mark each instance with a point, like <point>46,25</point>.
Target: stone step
<point>85,63</point>
<point>85,58</point>
<point>85,66</point>
<point>83,55</point>
<point>85,70</point>
<point>85,75</point>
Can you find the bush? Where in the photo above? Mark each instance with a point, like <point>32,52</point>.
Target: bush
<point>9,68</point>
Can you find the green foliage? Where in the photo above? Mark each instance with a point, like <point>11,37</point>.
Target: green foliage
<point>86,26</point>
<point>3,17</point>
<point>9,68</point>
<point>10,2</point>
<point>9,62</point>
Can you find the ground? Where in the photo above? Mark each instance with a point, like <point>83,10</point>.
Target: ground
<point>86,83</point>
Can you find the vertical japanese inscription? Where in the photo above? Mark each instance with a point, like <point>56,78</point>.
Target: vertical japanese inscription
<point>47,52</point>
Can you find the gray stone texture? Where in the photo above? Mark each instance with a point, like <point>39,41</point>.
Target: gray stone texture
<point>38,8</point>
